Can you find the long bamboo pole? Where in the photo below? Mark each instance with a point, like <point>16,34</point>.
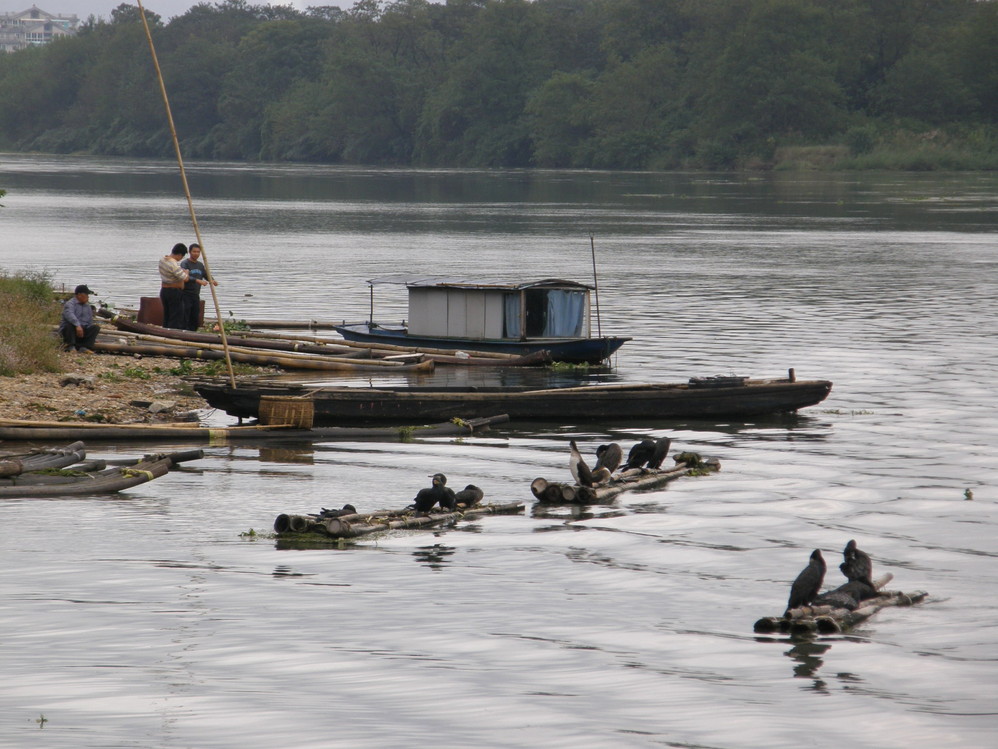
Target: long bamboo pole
<point>187,189</point>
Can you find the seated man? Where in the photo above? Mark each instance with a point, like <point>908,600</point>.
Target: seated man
<point>77,326</point>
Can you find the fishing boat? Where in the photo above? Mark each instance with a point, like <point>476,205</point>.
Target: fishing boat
<point>512,317</point>
<point>699,399</point>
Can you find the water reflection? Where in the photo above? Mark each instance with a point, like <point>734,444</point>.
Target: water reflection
<point>436,557</point>
<point>806,655</point>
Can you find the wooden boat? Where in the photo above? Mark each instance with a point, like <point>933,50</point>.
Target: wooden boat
<point>91,478</point>
<point>551,315</point>
<point>698,400</point>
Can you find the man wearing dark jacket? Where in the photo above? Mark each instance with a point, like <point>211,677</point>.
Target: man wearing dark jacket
<point>77,326</point>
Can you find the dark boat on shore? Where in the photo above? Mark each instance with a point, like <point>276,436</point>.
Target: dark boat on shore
<point>509,317</point>
<point>700,399</point>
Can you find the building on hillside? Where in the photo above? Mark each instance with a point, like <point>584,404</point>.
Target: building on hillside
<point>32,27</point>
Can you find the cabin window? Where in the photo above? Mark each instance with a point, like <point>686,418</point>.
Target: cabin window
<point>550,313</point>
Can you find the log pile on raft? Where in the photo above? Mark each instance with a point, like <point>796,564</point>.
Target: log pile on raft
<point>65,471</point>
<point>290,352</point>
<point>859,598</point>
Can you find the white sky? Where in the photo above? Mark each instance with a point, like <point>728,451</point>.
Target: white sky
<point>166,9</point>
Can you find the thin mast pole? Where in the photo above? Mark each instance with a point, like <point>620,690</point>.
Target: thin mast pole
<point>592,245</point>
<point>187,192</point>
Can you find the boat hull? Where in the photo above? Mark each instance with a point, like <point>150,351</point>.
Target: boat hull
<point>340,406</point>
<point>575,350</point>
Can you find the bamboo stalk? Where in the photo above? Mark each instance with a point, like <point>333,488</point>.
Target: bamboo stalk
<point>183,179</point>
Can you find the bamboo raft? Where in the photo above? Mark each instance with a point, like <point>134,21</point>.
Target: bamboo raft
<point>13,430</point>
<point>552,492</point>
<point>361,524</point>
<point>827,620</point>
<point>85,477</point>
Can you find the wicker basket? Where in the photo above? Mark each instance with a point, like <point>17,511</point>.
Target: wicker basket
<point>283,410</point>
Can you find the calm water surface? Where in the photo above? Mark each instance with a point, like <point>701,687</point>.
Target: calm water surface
<point>147,620</point>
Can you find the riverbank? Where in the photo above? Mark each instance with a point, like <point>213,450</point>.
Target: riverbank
<point>101,388</point>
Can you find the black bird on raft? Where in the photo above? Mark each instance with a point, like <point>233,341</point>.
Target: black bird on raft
<point>661,452</point>
<point>856,564</point>
<point>436,493</point>
<point>808,583</point>
<point>608,457</point>
<point>847,596</point>
<point>469,495</point>
<point>348,509</point>
<point>640,454</point>
<point>577,465</point>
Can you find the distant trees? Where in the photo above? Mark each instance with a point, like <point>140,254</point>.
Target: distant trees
<point>629,84</point>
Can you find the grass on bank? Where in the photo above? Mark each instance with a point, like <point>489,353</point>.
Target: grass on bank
<point>26,341</point>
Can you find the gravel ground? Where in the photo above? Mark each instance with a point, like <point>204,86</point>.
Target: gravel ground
<point>100,388</point>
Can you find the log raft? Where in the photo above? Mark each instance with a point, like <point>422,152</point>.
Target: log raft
<point>364,524</point>
<point>827,620</point>
<point>554,492</point>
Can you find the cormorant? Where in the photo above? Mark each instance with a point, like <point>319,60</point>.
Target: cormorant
<point>438,492</point>
<point>608,457</point>
<point>847,596</point>
<point>580,471</point>
<point>808,582</point>
<point>469,495</point>
<point>856,564</point>
<point>640,454</point>
<point>661,452</point>
<point>348,509</point>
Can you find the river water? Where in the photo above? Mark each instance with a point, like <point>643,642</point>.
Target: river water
<point>148,619</point>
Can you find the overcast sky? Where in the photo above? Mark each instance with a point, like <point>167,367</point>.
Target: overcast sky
<point>166,9</point>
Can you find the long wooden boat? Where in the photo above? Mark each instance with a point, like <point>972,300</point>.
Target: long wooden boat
<point>514,317</point>
<point>698,400</point>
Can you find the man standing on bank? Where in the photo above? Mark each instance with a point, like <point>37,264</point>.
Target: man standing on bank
<point>173,278</point>
<point>77,325</point>
<point>197,277</point>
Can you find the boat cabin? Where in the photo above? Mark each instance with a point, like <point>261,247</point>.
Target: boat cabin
<point>551,308</point>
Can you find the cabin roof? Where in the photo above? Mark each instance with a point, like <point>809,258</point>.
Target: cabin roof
<point>451,282</point>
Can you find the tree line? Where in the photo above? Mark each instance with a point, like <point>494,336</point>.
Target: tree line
<point>626,84</point>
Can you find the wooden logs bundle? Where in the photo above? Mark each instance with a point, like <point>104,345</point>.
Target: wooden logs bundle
<point>554,492</point>
<point>830,620</point>
<point>363,524</point>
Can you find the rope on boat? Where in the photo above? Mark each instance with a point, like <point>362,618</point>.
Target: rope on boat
<point>187,190</point>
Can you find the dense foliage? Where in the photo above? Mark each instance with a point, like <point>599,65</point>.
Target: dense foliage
<point>552,83</point>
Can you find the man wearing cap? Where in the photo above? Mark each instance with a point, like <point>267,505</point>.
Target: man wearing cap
<point>171,292</point>
<point>77,325</point>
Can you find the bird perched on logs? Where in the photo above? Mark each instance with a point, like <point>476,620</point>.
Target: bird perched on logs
<point>437,492</point>
<point>577,465</point>
<point>856,564</point>
<point>640,454</point>
<point>660,453</point>
<point>348,509</point>
<point>847,596</point>
<point>469,495</point>
<point>608,456</point>
<point>808,582</point>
